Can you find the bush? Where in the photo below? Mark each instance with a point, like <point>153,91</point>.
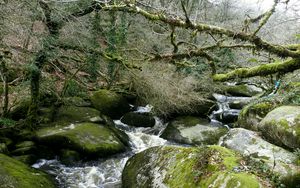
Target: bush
<point>169,91</point>
<point>5,122</point>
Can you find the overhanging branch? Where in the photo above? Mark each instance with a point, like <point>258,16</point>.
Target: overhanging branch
<point>261,70</point>
<point>177,22</point>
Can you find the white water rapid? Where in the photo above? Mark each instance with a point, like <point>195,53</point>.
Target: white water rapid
<point>105,173</point>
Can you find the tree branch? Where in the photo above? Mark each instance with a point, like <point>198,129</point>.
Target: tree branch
<point>261,70</point>
<point>266,17</point>
<point>173,40</point>
<point>177,22</point>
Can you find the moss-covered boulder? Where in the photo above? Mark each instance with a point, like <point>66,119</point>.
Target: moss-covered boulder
<point>192,130</point>
<point>89,139</point>
<point>138,119</point>
<point>110,103</point>
<point>243,90</point>
<point>211,166</point>
<point>14,173</point>
<point>282,126</point>
<point>249,143</point>
<point>73,114</point>
<point>252,114</point>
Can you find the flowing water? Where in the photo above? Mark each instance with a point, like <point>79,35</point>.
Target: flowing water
<point>224,111</point>
<point>105,173</point>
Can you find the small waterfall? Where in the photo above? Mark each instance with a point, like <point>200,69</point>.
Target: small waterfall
<point>106,173</point>
<point>225,114</point>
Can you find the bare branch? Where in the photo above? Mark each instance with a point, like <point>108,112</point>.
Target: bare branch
<point>187,19</point>
<point>173,38</point>
<point>177,22</point>
<point>266,17</point>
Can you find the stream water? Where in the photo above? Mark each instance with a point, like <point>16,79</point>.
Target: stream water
<point>106,173</point>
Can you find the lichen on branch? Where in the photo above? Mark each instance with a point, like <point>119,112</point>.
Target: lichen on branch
<point>261,70</point>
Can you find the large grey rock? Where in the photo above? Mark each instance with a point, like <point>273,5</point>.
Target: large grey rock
<point>249,143</point>
<point>161,167</point>
<point>282,126</point>
<point>89,139</point>
<point>243,90</point>
<point>193,130</point>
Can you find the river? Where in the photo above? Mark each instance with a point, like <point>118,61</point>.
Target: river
<point>107,173</point>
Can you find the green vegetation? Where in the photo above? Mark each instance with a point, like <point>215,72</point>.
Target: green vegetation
<point>187,167</point>
<point>4,122</point>
<point>16,174</point>
<point>91,140</point>
<point>68,68</point>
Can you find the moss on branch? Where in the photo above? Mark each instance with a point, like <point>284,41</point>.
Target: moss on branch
<point>262,70</point>
<point>178,22</point>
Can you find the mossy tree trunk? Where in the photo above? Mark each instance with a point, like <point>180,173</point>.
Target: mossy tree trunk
<point>4,55</point>
<point>41,58</point>
<point>35,75</point>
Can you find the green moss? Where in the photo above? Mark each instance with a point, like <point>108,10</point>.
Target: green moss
<point>25,144</point>
<point>230,158</point>
<point>262,70</point>
<point>280,126</point>
<point>87,138</point>
<point>211,136</point>
<point>16,174</point>
<point>253,113</point>
<point>283,123</point>
<point>186,167</point>
<point>229,180</point>
<point>74,114</point>
<point>241,90</point>
<point>177,174</point>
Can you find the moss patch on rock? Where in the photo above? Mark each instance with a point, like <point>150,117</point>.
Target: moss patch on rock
<point>92,140</point>
<point>16,174</point>
<point>243,90</point>
<point>282,126</point>
<point>186,167</point>
<point>74,114</point>
<point>252,114</point>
